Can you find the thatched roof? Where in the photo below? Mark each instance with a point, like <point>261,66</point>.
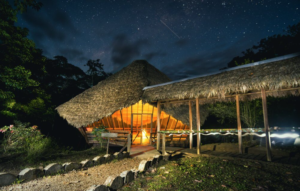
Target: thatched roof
<point>120,90</point>
<point>270,75</point>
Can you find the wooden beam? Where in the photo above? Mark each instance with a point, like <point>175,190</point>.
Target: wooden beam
<point>266,123</point>
<point>167,122</point>
<point>142,124</point>
<point>108,122</point>
<point>150,141</point>
<point>176,124</point>
<point>158,126</point>
<point>198,127</point>
<point>191,124</point>
<point>128,142</point>
<point>239,126</point>
<point>83,134</point>
<point>114,125</point>
<point>122,119</point>
<point>163,144</point>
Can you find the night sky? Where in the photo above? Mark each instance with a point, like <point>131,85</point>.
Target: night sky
<point>182,38</point>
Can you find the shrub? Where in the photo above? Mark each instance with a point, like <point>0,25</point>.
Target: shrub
<point>22,138</point>
<point>97,132</point>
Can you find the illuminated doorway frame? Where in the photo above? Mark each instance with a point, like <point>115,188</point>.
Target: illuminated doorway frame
<point>141,129</point>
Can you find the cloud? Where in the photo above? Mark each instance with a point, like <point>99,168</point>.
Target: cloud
<point>149,56</point>
<point>125,51</point>
<point>49,24</point>
<point>181,42</point>
<point>73,54</point>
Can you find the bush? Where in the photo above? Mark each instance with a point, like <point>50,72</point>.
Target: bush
<point>97,132</point>
<point>21,138</point>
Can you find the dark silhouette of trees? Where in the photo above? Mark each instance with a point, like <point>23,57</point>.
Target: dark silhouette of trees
<point>96,72</point>
<point>270,47</point>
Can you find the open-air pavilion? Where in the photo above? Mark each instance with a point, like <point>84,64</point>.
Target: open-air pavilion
<point>276,77</point>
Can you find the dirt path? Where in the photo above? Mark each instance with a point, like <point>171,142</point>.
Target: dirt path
<point>78,180</point>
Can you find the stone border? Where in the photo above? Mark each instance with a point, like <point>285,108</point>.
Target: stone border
<point>28,174</point>
<point>117,182</point>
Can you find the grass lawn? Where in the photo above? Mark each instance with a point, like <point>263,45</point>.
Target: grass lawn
<point>202,173</point>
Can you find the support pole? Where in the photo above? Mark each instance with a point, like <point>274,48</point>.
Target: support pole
<point>142,125</point>
<point>128,142</point>
<point>158,126</point>
<point>198,127</point>
<point>163,144</point>
<point>150,141</point>
<point>122,119</point>
<point>266,123</point>
<point>239,126</point>
<point>191,124</point>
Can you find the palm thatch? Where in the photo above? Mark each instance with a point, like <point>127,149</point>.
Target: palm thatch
<point>273,77</point>
<point>120,90</point>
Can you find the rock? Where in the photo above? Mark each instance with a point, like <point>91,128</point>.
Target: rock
<point>97,188</point>
<point>30,174</point>
<point>52,169</point>
<point>107,157</point>
<point>135,173</point>
<point>176,155</point>
<point>144,165</point>
<point>6,178</point>
<point>98,160</point>
<point>71,166</point>
<point>86,163</point>
<point>151,162</point>
<point>158,158</point>
<point>128,176</point>
<point>114,182</point>
<point>118,155</point>
<point>126,154</point>
<point>166,157</point>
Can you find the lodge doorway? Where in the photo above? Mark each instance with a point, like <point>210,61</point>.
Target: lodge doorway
<point>141,132</point>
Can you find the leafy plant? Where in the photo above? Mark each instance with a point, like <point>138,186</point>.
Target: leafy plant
<point>98,132</point>
<point>21,137</point>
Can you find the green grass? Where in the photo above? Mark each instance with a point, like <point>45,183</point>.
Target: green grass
<point>218,174</point>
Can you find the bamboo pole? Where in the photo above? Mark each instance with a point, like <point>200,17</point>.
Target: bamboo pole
<point>239,126</point>
<point>122,119</point>
<point>128,142</point>
<point>142,125</point>
<point>163,144</point>
<point>191,124</point>
<point>198,127</point>
<point>266,123</point>
<point>158,126</point>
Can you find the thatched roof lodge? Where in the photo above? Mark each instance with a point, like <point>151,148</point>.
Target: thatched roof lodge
<point>116,103</point>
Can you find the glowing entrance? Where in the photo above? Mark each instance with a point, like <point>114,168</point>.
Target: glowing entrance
<point>141,133</point>
<point>139,119</point>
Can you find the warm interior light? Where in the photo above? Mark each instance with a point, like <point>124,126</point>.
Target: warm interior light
<point>144,135</point>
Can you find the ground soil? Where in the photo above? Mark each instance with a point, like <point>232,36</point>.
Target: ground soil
<point>78,180</point>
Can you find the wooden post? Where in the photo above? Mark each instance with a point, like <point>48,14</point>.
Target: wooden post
<point>150,143</point>
<point>158,126</point>
<point>239,126</point>
<point>266,123</point>
<point>167,122</point>
<point>163,144</point>
<point>122,119</point>
<point>175,124</point>
<point>107,145</point>
<point>191,124</point>
<point>198,127</point>
<point>142,125</point>
<point>128,142</point>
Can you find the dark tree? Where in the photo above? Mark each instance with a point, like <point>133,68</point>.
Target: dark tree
<point>96,71</point>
